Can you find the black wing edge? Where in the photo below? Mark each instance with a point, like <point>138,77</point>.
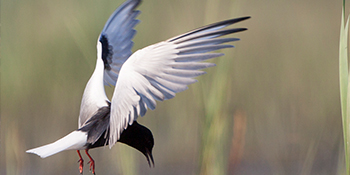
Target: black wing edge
<point>211,26</point>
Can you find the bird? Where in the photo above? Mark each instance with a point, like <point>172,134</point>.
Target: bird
<point>153,73</point>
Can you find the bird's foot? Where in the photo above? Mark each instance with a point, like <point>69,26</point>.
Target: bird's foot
<point>92,166</point>
<point>81,164</point>
<point>91,162</point>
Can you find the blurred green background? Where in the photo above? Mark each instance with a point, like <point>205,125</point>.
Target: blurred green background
<point>271,106</point>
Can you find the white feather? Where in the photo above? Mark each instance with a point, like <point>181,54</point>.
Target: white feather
<point>76,140</point>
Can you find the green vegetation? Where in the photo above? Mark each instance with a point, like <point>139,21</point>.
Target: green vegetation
<point>344,86</point>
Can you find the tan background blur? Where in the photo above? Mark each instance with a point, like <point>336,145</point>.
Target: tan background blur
<point>278,87</point>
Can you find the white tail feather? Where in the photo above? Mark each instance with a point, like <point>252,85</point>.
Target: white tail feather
<point>75,140</point>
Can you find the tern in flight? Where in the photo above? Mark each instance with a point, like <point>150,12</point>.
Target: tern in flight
<point>156,72</point>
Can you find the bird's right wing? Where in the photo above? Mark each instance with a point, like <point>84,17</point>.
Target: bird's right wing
<point>159,71</point>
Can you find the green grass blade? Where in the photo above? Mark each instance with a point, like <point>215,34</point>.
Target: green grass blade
<point>343,68</point>
<point>346,119</point>
<point>344,81</point>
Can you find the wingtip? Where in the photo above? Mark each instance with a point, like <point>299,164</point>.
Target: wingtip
<point>246,17</point>
<point>241,18</point>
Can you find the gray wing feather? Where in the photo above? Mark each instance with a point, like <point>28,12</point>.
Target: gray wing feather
<point>116,39</point>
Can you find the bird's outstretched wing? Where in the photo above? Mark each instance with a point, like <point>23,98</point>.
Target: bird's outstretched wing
<point>113,49</point>
<point>159,71</point>
<point>115,41</point>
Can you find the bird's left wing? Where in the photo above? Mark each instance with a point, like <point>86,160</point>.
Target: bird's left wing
<point>115,40</point>
<point>159,71</point>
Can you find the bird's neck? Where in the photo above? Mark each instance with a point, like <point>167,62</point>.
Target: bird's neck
<point>94,96</point>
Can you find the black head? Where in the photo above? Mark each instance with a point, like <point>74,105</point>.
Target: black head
<point>140,138</point>
<point>136,135</point>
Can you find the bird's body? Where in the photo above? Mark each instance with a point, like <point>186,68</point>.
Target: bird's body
<point>156,72</point>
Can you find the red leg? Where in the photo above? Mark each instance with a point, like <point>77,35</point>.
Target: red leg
<point>81,162</point>
<point>91,162</point>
